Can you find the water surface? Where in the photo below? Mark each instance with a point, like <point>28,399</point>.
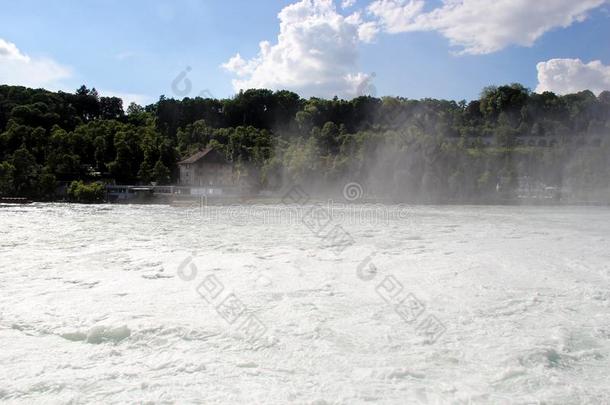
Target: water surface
<point>93,307</point>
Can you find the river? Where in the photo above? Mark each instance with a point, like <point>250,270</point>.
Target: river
<point>306,305</point>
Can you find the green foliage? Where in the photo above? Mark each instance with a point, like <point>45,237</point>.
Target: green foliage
<point>160,173</point>
<point>301,160</point>
<point>26,171</point>
<point>46,185</point>
<point>86,193</point>
<point>424,150</point>
<point>7,179</point>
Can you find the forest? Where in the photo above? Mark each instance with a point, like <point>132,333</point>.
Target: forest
<point>407,150</point>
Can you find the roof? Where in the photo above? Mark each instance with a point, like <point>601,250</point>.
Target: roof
<point>200,155</point>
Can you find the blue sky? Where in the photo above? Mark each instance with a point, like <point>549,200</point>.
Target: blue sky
<point>137,48</point>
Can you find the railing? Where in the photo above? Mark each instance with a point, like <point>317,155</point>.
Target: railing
<point>171,190</point>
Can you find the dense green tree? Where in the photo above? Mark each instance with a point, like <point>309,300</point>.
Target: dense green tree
<point>328,138</point>
<point>25,173</point>
<point>420,150</point>
<point>7,178</point>
<point>161,174</point>
<point>111,108</point>
<point>46,184</point>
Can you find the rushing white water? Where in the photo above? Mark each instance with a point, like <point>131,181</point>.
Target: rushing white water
<point>105,304</point>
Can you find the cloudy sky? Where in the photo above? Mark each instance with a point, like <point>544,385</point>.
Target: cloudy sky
<point>413,48</point>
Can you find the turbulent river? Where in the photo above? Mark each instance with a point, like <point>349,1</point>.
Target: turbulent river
<point>304,305</point>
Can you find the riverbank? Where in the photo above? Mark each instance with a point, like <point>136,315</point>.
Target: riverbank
<point>190,200</point>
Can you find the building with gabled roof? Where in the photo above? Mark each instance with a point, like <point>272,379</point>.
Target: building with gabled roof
<point>206,168</point>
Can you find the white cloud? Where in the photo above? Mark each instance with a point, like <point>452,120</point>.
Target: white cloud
<point>240,66</point>
<point>483,26</point>
<point>368,31</point>
<point>17,68</point>
<point>564,76</point>
<point>315,55</point>
<point>397,15</point>
<point>347,3</point>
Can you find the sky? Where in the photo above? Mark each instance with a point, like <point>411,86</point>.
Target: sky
<point>451,49</point>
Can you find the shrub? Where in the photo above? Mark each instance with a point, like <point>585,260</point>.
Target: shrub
<point>86,193</point>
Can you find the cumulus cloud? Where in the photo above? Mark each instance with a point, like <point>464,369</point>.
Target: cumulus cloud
<point>347,3</point>
<point>17,68</point>
<point>368,31</point>
<point>564,76</point>
<point>397,15</point>
<point>316,53</point>
<point>483,26</point>
<point>240,66</point>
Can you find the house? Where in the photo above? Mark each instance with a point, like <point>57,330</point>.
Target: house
<point>207,172</point>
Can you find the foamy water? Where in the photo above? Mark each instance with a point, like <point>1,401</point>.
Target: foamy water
<point>130,304</point>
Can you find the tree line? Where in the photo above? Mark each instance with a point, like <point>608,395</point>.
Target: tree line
<point>416,150</point>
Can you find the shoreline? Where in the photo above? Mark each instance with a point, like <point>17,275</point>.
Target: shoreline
<point>188,201</point>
